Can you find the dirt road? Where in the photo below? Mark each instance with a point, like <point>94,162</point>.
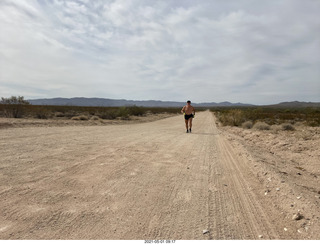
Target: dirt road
<point>141,181</point>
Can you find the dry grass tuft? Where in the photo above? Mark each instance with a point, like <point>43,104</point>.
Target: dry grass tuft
<point>94,118</point>
<point>247,125</point>
<point>287,126</point>
<point>81,117</point>
<point>261,126</point>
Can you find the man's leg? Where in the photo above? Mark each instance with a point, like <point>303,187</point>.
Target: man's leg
<point>190,123</point>
<point>186,121</point>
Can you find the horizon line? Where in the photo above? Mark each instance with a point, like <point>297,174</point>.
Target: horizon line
<point>244,103</point>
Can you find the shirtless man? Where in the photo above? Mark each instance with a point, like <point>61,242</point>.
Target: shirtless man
<point>189,113</point>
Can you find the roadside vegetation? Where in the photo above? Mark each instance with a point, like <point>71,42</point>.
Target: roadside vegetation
<point>262,118</point>
<point>17,107</point>
<point>13,107</point>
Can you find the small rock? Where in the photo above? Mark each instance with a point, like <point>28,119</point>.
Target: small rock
<point>187,167</point>
<point>299,197</point>
<point>297,216</point>
<point>282,181</point>
<point>285,229</point>
<point>317,196</point>
<point>205,232</point>
<point>260,236</point>
<point>318,192</point>
<point>277,189</point>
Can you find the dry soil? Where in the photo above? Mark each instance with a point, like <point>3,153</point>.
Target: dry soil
<point>153,181</point>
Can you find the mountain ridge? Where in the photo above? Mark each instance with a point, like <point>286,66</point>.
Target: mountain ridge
<point>107,102</point>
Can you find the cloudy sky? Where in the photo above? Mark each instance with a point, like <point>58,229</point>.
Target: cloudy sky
<point>250,51</point>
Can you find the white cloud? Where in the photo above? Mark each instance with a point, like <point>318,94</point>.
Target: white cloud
<point>264,52</point>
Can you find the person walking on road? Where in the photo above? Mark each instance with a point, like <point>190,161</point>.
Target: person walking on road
<point>189,113</point>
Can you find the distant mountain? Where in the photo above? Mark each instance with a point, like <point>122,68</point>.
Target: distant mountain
<point>104,102</point>
<point>295,104</point>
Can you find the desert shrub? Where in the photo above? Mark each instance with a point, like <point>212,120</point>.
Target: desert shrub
<point>287,126</point>
<point>94,118</point>
<point>299,124</point>
<point>247,125</point>
<point>80,117</point>
<point>109,114</point>
<point>234,117</point>
<point>304,134</point>
<point>59,114</point>
<point>261,126</point>
<point>42,113</point>
<point>14,107</point>
<point>123,113</point>
<point>70,114</point>
<point>314,122</point>
<point>275,128</point>
<point>271,115</point>
<point>170,110</point>
<point>136,111</point>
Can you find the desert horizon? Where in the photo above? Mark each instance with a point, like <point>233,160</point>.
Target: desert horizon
<point>99,142</point>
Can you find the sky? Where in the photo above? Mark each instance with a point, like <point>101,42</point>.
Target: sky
<point>249,51</point>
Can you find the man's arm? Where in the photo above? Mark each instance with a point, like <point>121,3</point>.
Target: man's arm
<point>183,109</point>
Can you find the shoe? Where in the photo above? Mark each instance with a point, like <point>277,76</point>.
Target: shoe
<point>187,131</point>
<point>190,130</point>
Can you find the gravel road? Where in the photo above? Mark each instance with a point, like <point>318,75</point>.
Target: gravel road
<point>136,181</point>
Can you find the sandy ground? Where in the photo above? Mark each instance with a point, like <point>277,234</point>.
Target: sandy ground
<point>154,181</point>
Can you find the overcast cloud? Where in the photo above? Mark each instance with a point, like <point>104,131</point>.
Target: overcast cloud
<point>249,51</point>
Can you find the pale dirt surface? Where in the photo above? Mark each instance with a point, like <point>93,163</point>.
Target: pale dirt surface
<point>287,164</point>
<point>150,181</point>
<point>53,122</point>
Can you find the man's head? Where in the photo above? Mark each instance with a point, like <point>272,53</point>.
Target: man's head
<point>188,102</point>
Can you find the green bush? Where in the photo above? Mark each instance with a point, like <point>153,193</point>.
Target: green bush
<point>137,111</point>
<point>123,113</point>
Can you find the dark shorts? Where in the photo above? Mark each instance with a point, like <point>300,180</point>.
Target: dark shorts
<point>188,116</point>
